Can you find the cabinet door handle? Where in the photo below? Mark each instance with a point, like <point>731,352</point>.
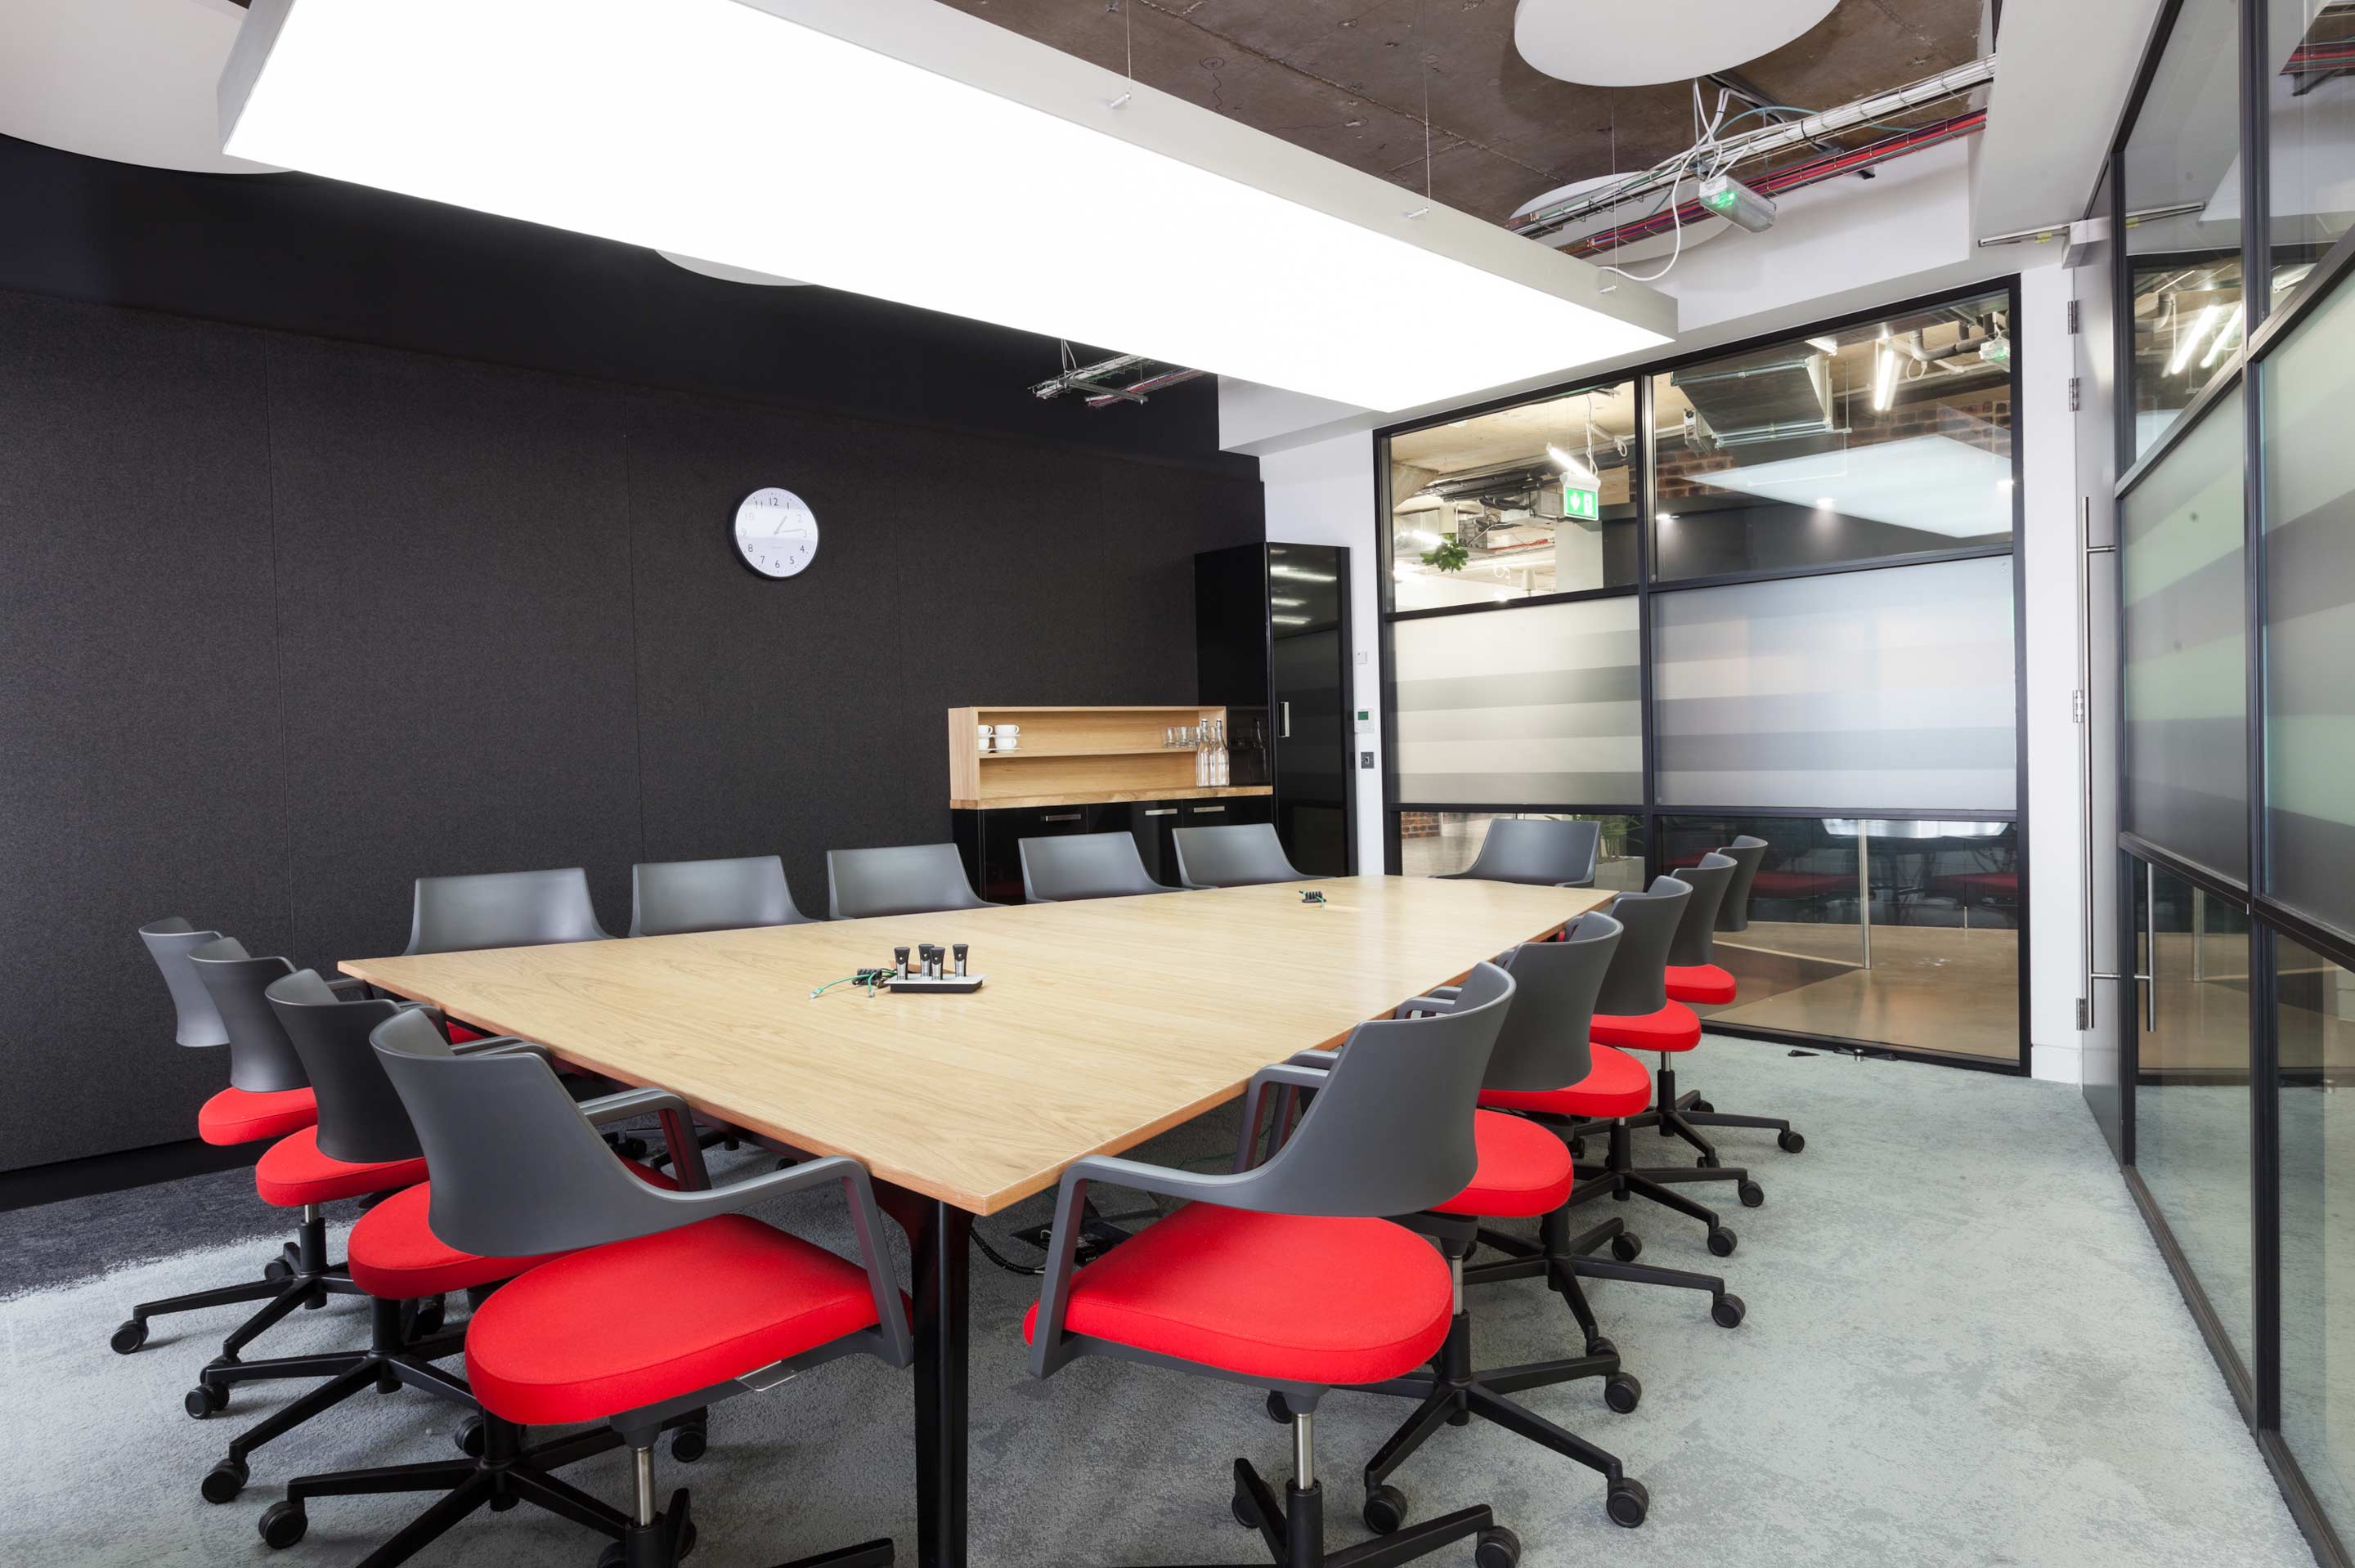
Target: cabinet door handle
<point>1161,810</point>
<point>1287,722</point>
<point>1206,811</point>
<point>1060,817</point>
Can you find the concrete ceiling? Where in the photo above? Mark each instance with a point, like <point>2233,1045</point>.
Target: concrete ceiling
<point>1344,78</point>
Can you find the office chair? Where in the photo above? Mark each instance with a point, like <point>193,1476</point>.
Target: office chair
<point>904,879</point>
<point>1634,1013</point>
<point>502,909</point>
<point>1693,976</point>
<point>1542,854</point>
<point>1247,855</point>
<point>396,1258</point>
<point>1524,1173</point>
<point>1546,1041</point>
<point>667,897</point>
<point>1285,1276</point>
<point>1072,866</point>
<point>267,1097</point>
<point>518,1171</point>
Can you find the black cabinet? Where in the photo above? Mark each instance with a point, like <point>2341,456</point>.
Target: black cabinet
<point>1273,647</point>
<point>991,840</point>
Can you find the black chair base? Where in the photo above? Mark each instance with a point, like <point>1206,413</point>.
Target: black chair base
<point>1293,1530</point>
<point>392,1361</point>
<point>1682,1116</point>
<point>669,1536</point>
<point>1558,1254</point>
<point>300,1276</point>
<point>1698,1112</point>
<point>1619,1177</point>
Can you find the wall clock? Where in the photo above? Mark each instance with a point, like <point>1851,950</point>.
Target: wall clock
<point>776,532</point>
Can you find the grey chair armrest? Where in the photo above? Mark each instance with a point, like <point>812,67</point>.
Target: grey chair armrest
<point>1582,881</point>
<point>1048,1352</point>
<point>1293,1077</point>
<point>1323,1059</point>
<point>347,985</point>
<point>678,1120</point>
<point>502,1045</point>
<point>1440,1001</point>
<point>866,1218</point>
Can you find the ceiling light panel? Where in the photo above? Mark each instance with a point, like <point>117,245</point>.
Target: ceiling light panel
<point>899,149</point>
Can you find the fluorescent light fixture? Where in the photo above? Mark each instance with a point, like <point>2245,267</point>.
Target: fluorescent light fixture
<point>2190,341</point>
<point>1300,574</point>
<point>1572,469</point>
<point>2224,341</point>
<point>1289,619</point>
<point>906,151</point>
<point>1283,603</point>
<point>1825,344</point>
<point>1827,503</point>
<point>1884,377</point>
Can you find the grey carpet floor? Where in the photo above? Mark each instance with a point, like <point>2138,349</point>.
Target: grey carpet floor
<point>1962,1349</point>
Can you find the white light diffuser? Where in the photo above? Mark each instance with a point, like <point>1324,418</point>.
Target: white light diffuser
<point>900,149</point>
<point>1933,483</point>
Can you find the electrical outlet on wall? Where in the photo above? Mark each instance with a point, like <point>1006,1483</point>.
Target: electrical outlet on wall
<point>1365,759</point>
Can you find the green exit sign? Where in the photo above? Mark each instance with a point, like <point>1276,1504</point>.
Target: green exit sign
<point>1585,504</point>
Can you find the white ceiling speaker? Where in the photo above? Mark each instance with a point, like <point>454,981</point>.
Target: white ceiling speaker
<point>779,136</point>
<point>1697,231</point>
<point>1612,43</point>
<point>727,274</point>
<point>131,81</point>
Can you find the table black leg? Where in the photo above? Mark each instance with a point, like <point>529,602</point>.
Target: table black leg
<point>941,1258</point>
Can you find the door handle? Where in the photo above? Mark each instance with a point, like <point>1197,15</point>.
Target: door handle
<point>1287,722</point>
<point>1060,817</point>
<point>2086,551</point>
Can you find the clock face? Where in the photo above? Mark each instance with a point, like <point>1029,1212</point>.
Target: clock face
<point>776,532</point>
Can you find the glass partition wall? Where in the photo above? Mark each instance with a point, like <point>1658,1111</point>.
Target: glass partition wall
<point>2233,180</point>
<point>1765,592</point>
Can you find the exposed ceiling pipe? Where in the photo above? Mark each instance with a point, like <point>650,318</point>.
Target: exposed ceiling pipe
<point>1086,378</point>
<point>1795,177</point>
<point>1135,390</point>
<point>1752,145</point>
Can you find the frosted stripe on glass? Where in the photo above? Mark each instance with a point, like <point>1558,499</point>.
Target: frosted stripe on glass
<point>1884,689</point>
<point>1526,706</point>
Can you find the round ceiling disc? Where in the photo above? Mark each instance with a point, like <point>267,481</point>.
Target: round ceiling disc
<point>727,274</point>
<point>131,80</point>
<point>1609,43</point>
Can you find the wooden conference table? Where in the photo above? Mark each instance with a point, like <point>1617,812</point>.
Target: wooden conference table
<point>1102,1025</point>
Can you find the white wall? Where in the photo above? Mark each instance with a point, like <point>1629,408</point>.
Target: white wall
<point>1322,494</point>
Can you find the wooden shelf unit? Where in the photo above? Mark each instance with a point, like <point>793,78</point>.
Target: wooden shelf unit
<point>1076,754</point>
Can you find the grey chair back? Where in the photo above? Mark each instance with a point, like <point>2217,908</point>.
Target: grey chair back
<point>1746,852</point>
<point>1542,1043</point>
<point>668,897</point>
<point>169,940</point>
<point>502,909</point>
<point>1547,854</point>
<point>1246,854</point>
<point>1697,927</point>
<point>902,879</point>
<point>360,1117</point>
<point>1072,866</point>
<point>1391,1131</point>
<point>1636,983</point>
<point>262,1059</point>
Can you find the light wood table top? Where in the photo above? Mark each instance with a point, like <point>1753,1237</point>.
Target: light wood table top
<point>1101,1024</point>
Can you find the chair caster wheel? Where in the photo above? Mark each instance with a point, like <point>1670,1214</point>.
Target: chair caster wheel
<point>1246,1512</point>
<point>1626,1502</point>
<point>1578,1148</point>
<point>1279,1409</point>
<point>1752,1195</point>
<point>1601,1345</point>
<point>1721,1241</point>
<point>1626,1247</point>
<point>1790,1142</point>
<point>277,1271</point>
<point>224,1481</point>
<point>615,1555</point>
<point>1385,1510</point>
<point>1706,1162</point>
<point>427,1320</point>
<point>1623,1393</point>
<point>128,1338</point>
<point>205,1400</point>
<point>1497,1547</point>
<point>1728,1311</point>
<point>686,1542</point>
<point>1701,1106</point>
<point>469,1437</point>
<point>687,1444</point>
<point>282,1524</point>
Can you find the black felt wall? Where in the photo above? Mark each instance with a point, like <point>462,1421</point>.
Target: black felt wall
<point>287,623</point>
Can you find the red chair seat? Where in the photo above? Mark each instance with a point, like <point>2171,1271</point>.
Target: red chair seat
<point>634,1323</point>
<point>1673,1028</point>
<point>1699,982</point>
<point>1283,1297</point>
<point>1800,884</point>
<point>292,1172</point>
<point>1524,1169</point>
<point>1617,1085</point>
<point>238,1116</point>
<point>394,1255</point>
